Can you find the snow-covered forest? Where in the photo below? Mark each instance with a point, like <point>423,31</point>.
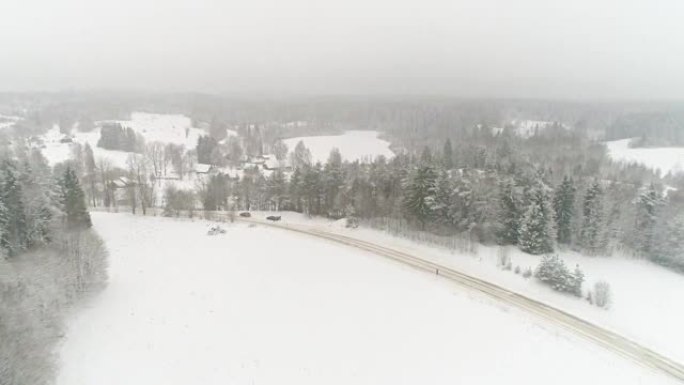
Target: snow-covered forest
<point>49,260</point>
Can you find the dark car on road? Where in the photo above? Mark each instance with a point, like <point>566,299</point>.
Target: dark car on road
<point>273,218</point>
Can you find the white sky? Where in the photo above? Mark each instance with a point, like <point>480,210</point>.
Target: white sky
<point>499,48</point>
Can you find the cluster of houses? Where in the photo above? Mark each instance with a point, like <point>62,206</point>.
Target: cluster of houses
<point>266,162</point>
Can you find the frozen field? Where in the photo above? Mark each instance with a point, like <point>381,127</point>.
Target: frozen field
<point>186,308</point>
<point>353,145</point>
<point>666,159</point>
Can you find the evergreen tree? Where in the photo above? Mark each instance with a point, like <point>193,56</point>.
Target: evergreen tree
<point>295,189</point>
<point>536,230</point>
<point>419,193</point>
<point>592,233</point>
<point>333,180</point>
<point>15,236</point>
<point>448,155</point>
<point>577,281</point>
<point>90,172</point>
<point>442,209</point>
<point>73,201</point>
<point>564,207</point>
<point>276,186</point>
<point>669,242</point>
<point>509,214</point>
<point>646,217</point>
<point>207,147</point>
<point>280,150</point>
<point>38,197</point>
<point>312,189</point>
<point>301,157</point>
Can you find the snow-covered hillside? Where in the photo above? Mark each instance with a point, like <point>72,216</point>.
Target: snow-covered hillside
<point>183,307</point>
<point>665,159</point>
<point>353,145</point>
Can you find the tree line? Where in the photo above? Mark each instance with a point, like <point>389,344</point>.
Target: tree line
<point>495,200</point>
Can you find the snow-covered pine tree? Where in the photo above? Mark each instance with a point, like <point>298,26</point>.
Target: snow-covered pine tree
<point>39,197</point>
<point>577,281</point>
<point>73,201</point>
<point>15,236</point>
<point>301,157</point>
<point>419,193</point>
<point>669,242</point>
<point>312,188</point>
<point>443,202</point>
<point>564,210</point>
<point>509,214</point>
<point>646,218</point>
<point>536,229</point>
<point>333,181</point>
<point>592,236</point>
<point>295,189</point>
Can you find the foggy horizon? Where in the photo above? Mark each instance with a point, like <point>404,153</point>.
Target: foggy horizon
<point>491,49</point>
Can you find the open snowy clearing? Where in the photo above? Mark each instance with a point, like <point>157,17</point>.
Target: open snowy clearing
<point>646,298</point>
<point>183,307</point>
<point>664,159</point>
<point>162,128</point>
<point>353,145</point>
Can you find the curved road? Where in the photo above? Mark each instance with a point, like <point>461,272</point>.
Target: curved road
<point>610,340</point>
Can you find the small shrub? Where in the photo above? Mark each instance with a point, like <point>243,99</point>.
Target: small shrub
<point>590,299</point>
<point>552,271</point>
<point>517,269</point>
<point>352,222</point>
<point>527,273</point>
<point>602,295</point>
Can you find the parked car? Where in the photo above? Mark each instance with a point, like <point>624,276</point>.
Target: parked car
<point>245,214</point>
<point>273,218</point>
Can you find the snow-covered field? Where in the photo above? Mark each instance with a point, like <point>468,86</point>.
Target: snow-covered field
<point>353,145</point>
<point>665,159</point>
<point>186,308</point>
<point>647,299</point>
<point>153,127</point>
<point>165,128</point>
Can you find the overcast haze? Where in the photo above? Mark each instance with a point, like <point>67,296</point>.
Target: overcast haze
<point>529,48</point>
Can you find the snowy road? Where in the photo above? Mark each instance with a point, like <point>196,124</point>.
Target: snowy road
<point>601,336</point>
<point>264,306</point>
